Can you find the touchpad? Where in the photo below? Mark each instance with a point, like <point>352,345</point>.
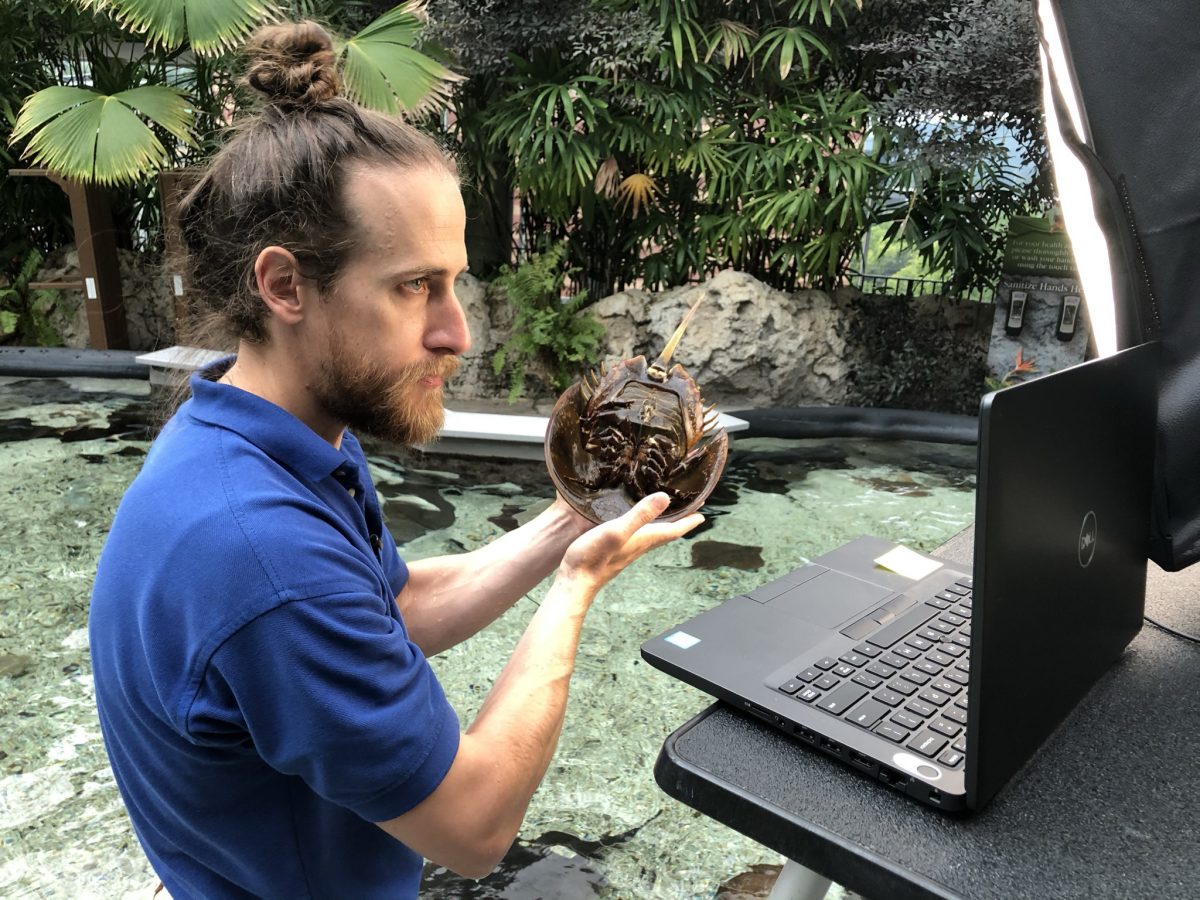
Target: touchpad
<point>830,598</point>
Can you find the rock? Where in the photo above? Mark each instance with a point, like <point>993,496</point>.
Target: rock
<point>146,286</point>
<point>749,345</point>
<point>755,883</point>
<point>714,554</point>
<point>753,346</point>
<point>489,322</point>
<point>64,309</point>
<point>13,665</point>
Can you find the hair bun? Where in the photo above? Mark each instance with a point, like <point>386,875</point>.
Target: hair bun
<point>292,64</point>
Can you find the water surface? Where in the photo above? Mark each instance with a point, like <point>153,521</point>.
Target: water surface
<point>599,825</point>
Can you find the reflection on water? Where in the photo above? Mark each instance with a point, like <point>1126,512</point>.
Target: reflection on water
<point>598,826</point>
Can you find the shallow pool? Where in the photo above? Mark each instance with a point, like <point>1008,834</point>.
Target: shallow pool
<point>599,825</point>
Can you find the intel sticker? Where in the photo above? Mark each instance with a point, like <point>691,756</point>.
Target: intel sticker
<point>683,640</point>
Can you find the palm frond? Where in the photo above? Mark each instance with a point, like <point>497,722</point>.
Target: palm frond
<point>101,139</point>
<point>637,190</point>
<point>734,41</point>
<point>208,26</point>
<point>608,178</point>
<point>382,70</point>
<point>790,44</point>
<point>39,108</point>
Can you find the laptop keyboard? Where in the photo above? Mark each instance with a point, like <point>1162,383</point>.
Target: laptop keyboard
<point>907,681</point>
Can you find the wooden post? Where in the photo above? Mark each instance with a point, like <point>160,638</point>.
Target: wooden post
<point>172,186</point>
<point>99,268</point>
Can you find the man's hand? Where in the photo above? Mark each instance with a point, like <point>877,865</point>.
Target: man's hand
<point>599,555</point>
<point>578,521</point>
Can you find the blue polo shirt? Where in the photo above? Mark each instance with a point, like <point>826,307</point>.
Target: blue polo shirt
<point>259,697</point>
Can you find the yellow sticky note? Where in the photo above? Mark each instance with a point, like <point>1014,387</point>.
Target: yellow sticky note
<point>908,563</point>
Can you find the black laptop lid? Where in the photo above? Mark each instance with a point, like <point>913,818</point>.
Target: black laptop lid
<point>1061,538</point>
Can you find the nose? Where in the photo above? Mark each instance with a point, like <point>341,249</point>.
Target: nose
<point>449,330</point>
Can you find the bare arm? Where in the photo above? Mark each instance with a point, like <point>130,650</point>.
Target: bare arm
<point>470,820</point>
<point>449,598</point>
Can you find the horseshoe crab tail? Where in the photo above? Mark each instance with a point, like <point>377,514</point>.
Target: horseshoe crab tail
<point>658,369</point>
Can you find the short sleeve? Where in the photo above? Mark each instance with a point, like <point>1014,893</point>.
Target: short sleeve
<point>332,691</point>
<point>394,566</point>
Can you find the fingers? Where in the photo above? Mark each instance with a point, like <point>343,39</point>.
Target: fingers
<point>641,520</point>
<point>649,533</point>
<point>677,529</point>
<point>647,510</point>
<point>641,514</point>
<point>659,533</point>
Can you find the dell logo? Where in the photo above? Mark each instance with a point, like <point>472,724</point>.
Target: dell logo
<point>1087,539</point>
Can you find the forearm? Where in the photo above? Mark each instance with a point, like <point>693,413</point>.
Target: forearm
<point>449,598</point>
<point>504,754</point>
<point>524,711</point>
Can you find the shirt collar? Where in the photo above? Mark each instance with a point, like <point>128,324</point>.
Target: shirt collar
<point>271,428</point>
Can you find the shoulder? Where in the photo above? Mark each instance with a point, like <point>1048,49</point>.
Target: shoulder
<point>215,523</point>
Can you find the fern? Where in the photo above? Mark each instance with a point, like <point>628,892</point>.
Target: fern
<point>547,332</point>
<point>24,312</point>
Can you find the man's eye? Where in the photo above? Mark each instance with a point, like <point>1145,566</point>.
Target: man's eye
<point>416,285</point>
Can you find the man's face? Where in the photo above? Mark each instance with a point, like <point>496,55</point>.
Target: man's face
<point>393,327</point>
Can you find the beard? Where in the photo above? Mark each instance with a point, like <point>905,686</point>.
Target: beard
<point>385,403</point>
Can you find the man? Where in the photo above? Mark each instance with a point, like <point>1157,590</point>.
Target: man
<point>259,647</point>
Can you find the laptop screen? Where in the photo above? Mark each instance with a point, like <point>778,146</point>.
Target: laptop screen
<point>1061,537</point>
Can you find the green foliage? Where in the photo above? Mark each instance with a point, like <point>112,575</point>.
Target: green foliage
<point>722,143</point>
<point>892,258</point>
<point>669,139</point>
<point>121,120</point>
<point>24,312</point>
<point>207,26</point>
<point>101,138</point>
<point>112,91</point>
<point>956,220</point>
<point>33,210</point>
<point>549,334</point>
<point>382,70</point>
<point>914,359</point>
<point>958,74</point>
<point>955,93</point>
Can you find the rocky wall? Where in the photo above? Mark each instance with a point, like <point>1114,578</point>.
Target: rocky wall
<point>753,346</point>
<point>749,345</point>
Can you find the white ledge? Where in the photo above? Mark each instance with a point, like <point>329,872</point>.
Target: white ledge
<point>172,359</point>
<point>516,437</point>
<point>468,433</point>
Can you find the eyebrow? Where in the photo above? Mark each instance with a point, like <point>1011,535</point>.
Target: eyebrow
<point>422,272</point>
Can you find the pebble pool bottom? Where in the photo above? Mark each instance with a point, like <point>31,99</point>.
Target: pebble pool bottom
<point>599,826</point>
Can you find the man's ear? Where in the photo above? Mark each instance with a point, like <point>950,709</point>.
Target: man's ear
<point>277,274</point>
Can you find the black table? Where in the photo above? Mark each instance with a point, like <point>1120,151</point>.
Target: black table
<point>1108,808</point>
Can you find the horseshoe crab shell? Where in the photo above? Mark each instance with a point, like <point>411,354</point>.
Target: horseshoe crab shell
<point>632,430</point>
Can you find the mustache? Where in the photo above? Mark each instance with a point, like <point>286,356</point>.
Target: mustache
<point>443,367</point>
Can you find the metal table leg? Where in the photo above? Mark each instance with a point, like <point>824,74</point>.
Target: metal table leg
<point>798,883</point>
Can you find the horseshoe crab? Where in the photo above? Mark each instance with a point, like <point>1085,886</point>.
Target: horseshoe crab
<point>632,430</point>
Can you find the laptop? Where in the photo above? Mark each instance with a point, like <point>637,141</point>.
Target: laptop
<point>940,680</point>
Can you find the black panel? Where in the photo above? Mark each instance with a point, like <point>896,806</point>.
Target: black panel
<point>1138,71</point>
